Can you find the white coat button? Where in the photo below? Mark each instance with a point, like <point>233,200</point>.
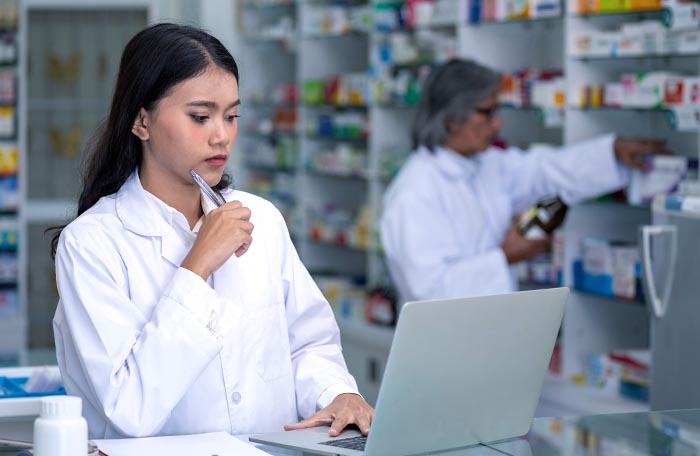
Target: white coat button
<point>236,398</point>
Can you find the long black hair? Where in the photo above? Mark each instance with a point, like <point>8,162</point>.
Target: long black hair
<point>155,59</point>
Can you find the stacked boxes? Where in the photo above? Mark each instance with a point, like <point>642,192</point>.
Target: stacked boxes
<point>531,87</point>
<point>608,268</point>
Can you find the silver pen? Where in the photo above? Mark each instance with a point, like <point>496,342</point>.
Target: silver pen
<point>213,196</point>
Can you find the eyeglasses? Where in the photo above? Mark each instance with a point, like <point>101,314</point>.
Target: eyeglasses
<point>490,112</point>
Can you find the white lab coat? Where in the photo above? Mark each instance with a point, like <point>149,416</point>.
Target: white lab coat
<point>155,350</point>
<point>445,216</point>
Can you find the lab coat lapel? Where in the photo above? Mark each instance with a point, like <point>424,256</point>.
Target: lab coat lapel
<point>172,248</point>
<point>139,215</point>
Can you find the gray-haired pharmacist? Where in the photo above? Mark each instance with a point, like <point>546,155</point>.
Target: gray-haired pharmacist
<point>447,227</point>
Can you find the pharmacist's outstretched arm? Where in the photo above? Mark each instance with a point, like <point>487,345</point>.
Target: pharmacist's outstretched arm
<point>634,152</point>
<point>575,172</point>
<point>345,409</point>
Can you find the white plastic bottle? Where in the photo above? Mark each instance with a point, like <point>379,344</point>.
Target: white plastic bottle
<point>61,429</point>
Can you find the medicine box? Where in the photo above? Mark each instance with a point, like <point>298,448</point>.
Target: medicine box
<point>664,175</point>
<point>608,268</point>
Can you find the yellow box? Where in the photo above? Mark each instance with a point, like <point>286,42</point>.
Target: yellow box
<point>605,6</point>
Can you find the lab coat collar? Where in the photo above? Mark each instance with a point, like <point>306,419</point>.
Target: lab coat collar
<point>142,214</point>
<point>454,165</point>
<point>136,207</point>
<point>136,210</point>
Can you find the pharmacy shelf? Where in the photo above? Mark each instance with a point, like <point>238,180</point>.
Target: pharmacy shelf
<point>269,105</point>
<point>267,38</point>
<point>336,107</point>
<point>269,168</point>
<point>13,324</point>
<point>273,134</point>
<point>523,21</point>
<point>370,334</point>
<point>67,104</point>
<point>622,109</point>
<point>268,5</point>
<point>350,139</point>
<point>410,65</point>
<point>339,245</point>
<point>433,26</point>
<point>351,175</point>
<point>395,106</point>
<point>333,35</point>
<point>577,400</point>
<point>632,58</point>
<point>623,14</point>
<point>637,301</point>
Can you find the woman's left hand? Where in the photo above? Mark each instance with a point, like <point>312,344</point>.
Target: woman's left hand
<point>634,152</point>
<point>345,409</point>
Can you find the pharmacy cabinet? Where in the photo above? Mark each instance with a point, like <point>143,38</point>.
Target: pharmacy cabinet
<point>593,323</point>
<point>265,159</point>
<point>69,58</point>
<point>628,73</point>
<point>12,324</point>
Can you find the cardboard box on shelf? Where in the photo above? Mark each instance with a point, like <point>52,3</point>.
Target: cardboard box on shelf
<point>608,268</point>
<point>684,91</point>
<point>646,89</point>
<point>664,175</point>
<point>683,42</point>
<point>614,5</point>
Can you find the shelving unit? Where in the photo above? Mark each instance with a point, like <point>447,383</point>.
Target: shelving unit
<point>333,47</point>
<point>65,88</point>
<point>595,324</point>
<point>13,328</point>
<point>267,161</point>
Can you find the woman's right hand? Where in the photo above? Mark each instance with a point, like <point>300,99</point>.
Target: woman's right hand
<point>518,248</point>
<point>225,231</point>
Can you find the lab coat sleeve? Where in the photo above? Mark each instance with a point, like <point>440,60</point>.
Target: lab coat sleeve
<point>425,257</point>
<point>576,172</point>
<point>320,372</point>
<point>138,366</point>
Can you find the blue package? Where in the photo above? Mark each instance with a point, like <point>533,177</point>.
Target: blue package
<point>14,387</point>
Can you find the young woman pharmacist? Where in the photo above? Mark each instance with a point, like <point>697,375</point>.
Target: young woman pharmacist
<point>177,316</point>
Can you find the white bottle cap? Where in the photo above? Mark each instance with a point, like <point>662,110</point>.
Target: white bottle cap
<point>61,407</point>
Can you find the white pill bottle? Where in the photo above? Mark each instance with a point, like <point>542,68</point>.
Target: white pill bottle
<point>60,429</point>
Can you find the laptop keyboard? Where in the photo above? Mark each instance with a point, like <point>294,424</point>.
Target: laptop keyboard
<point>351,443</point>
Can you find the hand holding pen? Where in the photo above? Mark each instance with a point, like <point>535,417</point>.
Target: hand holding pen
<point>225,231</point>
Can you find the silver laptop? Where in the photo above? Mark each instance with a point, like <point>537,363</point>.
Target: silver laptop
<point>460,372</point>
